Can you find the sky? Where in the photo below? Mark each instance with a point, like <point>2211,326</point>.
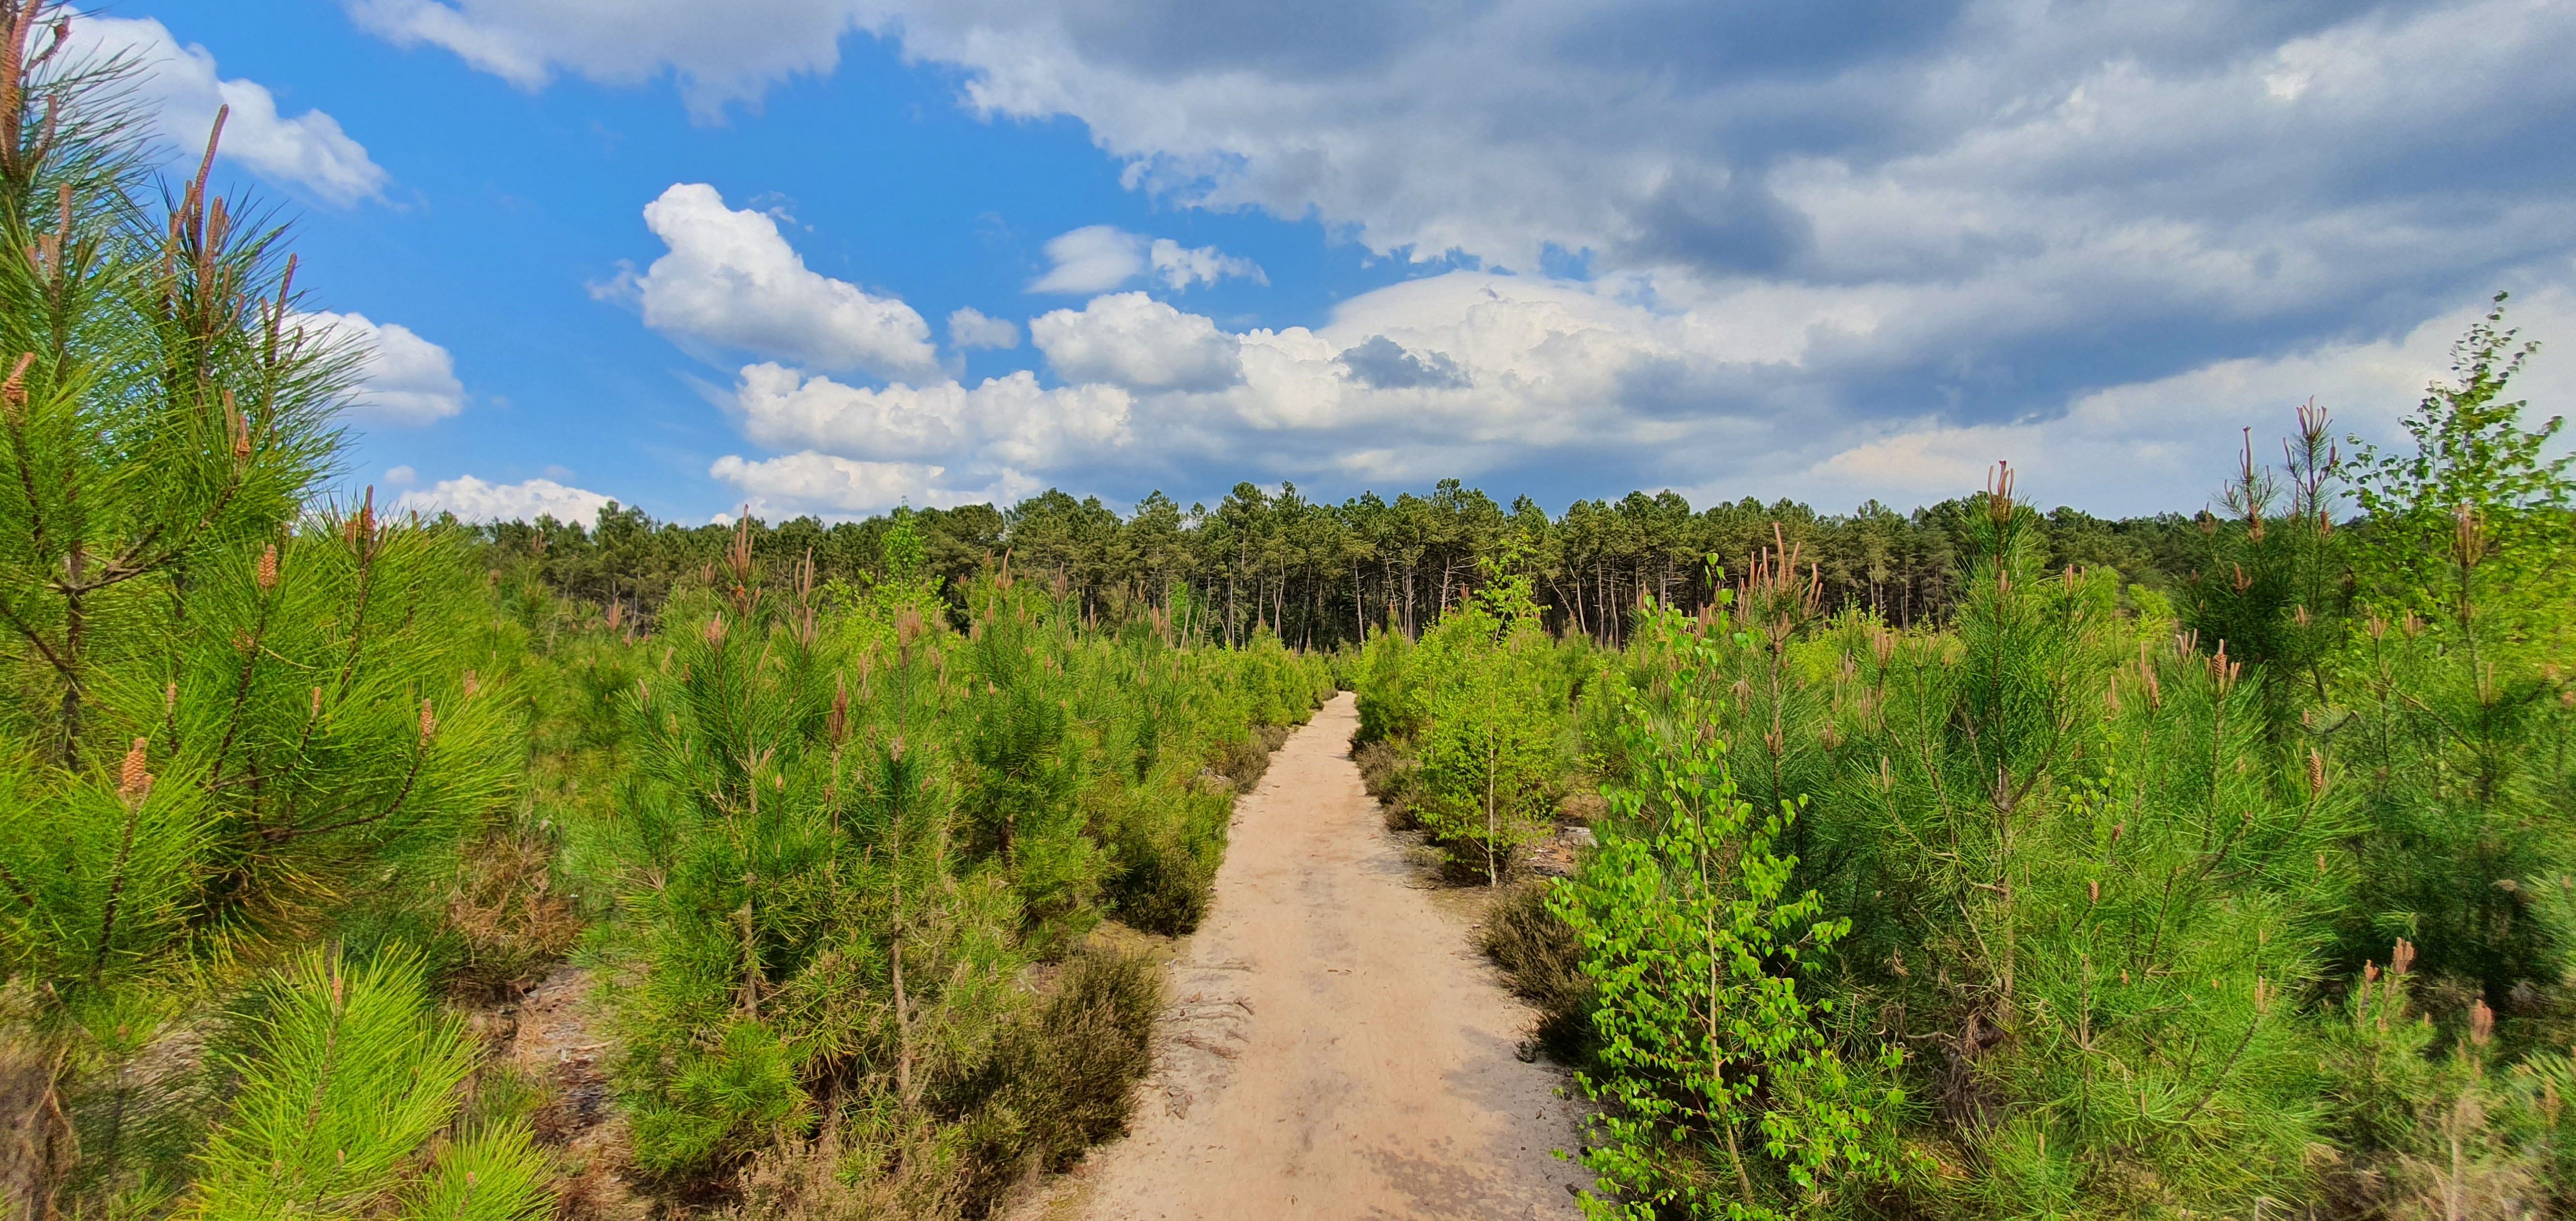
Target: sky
<point>829,256</point>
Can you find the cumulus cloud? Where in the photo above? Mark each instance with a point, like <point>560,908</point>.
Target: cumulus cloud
<point>405,379</point>
<point>731,280</point>
<point>1097,258</point>
<point>472,499</point>
<point>1480,372</point>
<point>1091,259</point>
<point>719,53</point>
<point>1823,248</point>
<point>1177,267</point>
<point>1385,364</point>
<point>830,486</point>
<point>1135,341</point>
<point>858,450</point>
<point>2129,448</point>
<point>969,328</point>
<point>1011,420</point>
<point>183,91</point>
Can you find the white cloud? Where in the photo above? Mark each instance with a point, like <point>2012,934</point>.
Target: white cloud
<point>1132,340</point>
<point>1097,258</point>
<point>472,499</point>
<point>183,90</point>
<point>401,476</point>
<point>1471,372</point>
<point>406,379</point>
<point>1178,267</point>
<point>1823,255</point>
<point>731,280</point>
<point>1009,420</point>
<point>720,53</point>
<point>1091,259</point>
<point>2131,448</point>
<point>840,487</point>
<point>969,328</point>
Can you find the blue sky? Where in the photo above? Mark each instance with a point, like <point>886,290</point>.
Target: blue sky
<point>1835,251</point>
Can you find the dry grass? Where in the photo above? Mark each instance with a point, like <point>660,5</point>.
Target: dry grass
<point>1247,761</point>
<point>1544,962</point>
<point>36,1145</point>
<point>511,924</point>
<point>1391,776</point>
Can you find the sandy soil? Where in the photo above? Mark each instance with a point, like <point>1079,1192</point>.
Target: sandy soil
<point>1336,1046</point>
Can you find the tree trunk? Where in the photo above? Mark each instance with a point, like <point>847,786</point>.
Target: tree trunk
<point>1492,749</point>
<point>1412,626</point>
<point>1359,605</point>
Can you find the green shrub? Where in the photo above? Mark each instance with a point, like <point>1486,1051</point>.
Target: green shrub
<point>1723,1090</point>
<point>1167,841</point>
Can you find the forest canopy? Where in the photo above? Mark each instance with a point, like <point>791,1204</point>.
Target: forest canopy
<point>1323,574</point>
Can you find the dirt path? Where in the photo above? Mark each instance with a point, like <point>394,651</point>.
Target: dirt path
<point>1336,1045</point>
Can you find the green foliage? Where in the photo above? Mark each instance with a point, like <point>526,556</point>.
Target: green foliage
<point>708,1103</point>
<point>1026,765</point>
<point>2474,468</point>
<point>1722,1094</point>
<point>234,719</point>
<point>1392,704</point>
<point>1478,708</point>
<point>2273,589</point>
<point>1167,841</point>
<point>1489,758</point>
<point>2467,782</point>
<point>344,1084</point>
<point>846,835</point>
<point>496,1174</point>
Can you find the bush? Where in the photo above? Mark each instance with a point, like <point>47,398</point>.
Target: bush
<point>1074,1069</point>
<point>1244,761</point>
<point>1167,842</point>
<point>1394,779</point>
<point>1061,1080</point>
<point>1542,957</point>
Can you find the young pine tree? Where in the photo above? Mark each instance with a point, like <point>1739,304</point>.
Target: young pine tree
<point>1027,755</point>
<point>230,719</point>
<point>797,937</point>
<point>344,1103</point>
<point>2274,588</point>
<point>2076,876</point>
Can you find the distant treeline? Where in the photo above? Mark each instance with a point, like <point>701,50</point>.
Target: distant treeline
<point>1320,574</point>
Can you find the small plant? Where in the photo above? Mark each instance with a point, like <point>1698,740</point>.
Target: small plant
<point>1710,1056</point>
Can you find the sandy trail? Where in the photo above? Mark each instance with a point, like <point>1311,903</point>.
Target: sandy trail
<point>1336,1046</point>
